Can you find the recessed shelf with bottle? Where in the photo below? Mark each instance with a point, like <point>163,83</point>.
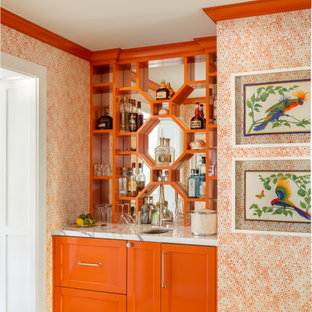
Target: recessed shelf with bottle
<point>145,113</point>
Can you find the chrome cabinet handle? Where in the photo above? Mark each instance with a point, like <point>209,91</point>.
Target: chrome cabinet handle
<point>90,264</point>
<point>163,270</point>
<point>129,245</point>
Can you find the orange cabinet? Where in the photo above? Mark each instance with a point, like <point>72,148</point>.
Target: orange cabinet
<point>188,278</point>
<point>77,300</point>
<point>89,263</point>
<point>143,285</point>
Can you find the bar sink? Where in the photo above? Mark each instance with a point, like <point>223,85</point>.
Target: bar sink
<point>156,231</point>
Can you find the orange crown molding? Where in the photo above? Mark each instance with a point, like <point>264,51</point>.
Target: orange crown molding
<point>123,56</point>
<point>195,47</point>
<point>255,8</point>
<point>24,26</point>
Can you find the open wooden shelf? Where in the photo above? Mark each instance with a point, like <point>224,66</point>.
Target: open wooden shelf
<point>131,79</point>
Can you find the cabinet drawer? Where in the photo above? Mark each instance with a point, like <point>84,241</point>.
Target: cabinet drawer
<point>77,300</point>
<point>89,263</point>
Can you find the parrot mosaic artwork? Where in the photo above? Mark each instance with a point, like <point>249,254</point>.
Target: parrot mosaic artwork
<point>285,196</point>
<point>277,107</point>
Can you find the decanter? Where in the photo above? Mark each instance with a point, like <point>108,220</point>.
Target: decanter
<point>162,154</point>
<point>170,151</point>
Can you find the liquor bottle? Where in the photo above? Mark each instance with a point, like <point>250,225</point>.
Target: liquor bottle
<point>124,116</point>
<point>201,114</point>
<point>156,215</point>
<point>202,178</point>
<point>140,179</point>
<point>132,188</point>
<point>139,116</point>
<point>171,92</point>
<point>197,122</point>
<point>162,154</point>
<point>145,212</point>
<point>170,151</point>
<point>161,203</point>
<point>162,93</point>
<point>123,183</point>
<point>105,121</point>
<point>193,184</point>
<point>133,118</point>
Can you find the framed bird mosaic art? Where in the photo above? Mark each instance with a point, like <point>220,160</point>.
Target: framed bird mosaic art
<point>272,107</point>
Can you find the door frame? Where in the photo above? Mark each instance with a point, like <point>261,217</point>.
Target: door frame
<point>39,72</point>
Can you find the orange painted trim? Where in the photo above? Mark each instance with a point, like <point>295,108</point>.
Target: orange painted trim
<point>28,28</point>
<point>255,8</point>
<point>123,56</point>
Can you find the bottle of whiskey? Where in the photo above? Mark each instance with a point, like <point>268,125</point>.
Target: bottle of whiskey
<point>133,118</point>
<point>201,114</point>
<point>105,121</point>
<point>139,116</point>
<point>123,183</point>
<point>145,212</point>
<point>140,179</point>
<point>132,186</point>
<point>197,122</point>
<point>124,116</point>
<point>162,93</point>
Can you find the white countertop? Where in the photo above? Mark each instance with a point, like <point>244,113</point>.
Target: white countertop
<point>178,235</point>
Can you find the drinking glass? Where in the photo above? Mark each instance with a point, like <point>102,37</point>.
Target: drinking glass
<point>122,218</point>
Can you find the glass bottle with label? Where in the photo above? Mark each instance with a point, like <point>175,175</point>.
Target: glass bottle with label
<point>162,154</point>
<point>140,179</point>
<point>193,184</point>
<point>123,183</point>
<point>133,117</point>
<point>105,121</point>
<point>197,122</point>
<point>124,116</point>
<point>162,93</point>
<point>145,212</point>
<point>132,188</point>
<point>171,92</point>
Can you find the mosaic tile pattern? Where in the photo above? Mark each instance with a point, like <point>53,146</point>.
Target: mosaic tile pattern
<point>258,272</point>
<point>67,131</point>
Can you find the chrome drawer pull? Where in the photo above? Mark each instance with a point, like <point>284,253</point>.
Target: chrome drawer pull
<point>90,264</point>
<point>163,285</point>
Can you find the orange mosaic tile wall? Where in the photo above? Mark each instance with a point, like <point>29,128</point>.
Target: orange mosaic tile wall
<point>259,273</point>
<point>67,131</point>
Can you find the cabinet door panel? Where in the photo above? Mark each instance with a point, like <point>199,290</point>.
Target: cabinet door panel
<point>89,263</point>
<point>76,300</point>
<point>143,286</point>
<point>189,278</point>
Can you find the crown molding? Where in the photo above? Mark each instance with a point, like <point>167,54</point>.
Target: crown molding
<point>28,28</point>
<point>255,8</point>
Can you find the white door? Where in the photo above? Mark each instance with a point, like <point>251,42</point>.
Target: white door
<point>18,220</point>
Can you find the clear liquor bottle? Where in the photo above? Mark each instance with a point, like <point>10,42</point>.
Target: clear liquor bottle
<point>124,116</point>
<point>132,186</point>
<point>105,121</point>
<point>170,151</point>
<point>123,183</point>
<point>140,179</point>
<point>162,154</point>
<point>197,122</point>
<point>145,212</point>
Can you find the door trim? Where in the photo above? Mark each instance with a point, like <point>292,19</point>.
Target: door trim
<point>37,71</point>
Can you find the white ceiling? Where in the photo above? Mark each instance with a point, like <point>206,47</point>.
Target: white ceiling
<point>106,24</point>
